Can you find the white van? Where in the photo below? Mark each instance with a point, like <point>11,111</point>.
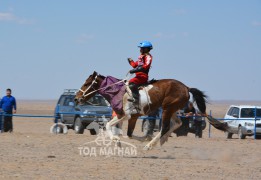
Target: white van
<point>241,121</point>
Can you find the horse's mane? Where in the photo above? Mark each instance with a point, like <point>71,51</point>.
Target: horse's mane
<point>101,76</point>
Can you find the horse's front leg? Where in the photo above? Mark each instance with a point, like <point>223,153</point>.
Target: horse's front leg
<point>114,122</point>
<point>131,125</point>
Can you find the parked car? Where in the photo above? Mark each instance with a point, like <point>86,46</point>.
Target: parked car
<point>241,121</point>
<point>78,117</point>
<point>180,131</point>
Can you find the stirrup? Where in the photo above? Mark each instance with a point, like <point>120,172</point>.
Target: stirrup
<point>135,110</point>
<point>131,100</point>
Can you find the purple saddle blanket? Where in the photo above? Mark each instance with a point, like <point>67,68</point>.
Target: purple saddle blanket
<point>113,93</point>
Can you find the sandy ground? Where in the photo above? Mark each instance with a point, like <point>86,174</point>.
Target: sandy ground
<point>31,152</point>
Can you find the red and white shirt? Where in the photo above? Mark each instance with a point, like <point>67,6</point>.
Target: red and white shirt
<point>144,61</point>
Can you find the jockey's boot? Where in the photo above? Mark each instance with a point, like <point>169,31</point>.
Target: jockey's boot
<point>135,95</point>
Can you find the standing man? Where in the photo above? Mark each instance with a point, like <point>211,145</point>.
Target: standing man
<point>198,124</point>
<point>8,105</point>
<point>149,123</point>
<point>197,119</point>
<point>1,121</point>
<point>187,116</point>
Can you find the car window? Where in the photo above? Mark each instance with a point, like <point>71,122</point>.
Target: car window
<point>247,113</point>
<point>61,101</point>
<point>96,101</point>
<point>258,112</point>
<point>235,111</point>
<point>230,111</point>
<point>65,100</point>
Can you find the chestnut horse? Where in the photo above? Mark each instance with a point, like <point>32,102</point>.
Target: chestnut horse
<point>169,94</point>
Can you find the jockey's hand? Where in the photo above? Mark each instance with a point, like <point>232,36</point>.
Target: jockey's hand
<point>137,69</point>
<point>132,71</point>
<point>129,60</point>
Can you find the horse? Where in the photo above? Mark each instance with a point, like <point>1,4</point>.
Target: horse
<point>170,94</point>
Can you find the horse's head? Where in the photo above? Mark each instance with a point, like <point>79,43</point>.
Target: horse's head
<point>89,88</point>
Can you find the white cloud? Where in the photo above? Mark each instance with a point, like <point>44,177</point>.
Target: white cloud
<point>10,17</point>
<point>185,34</point>
<point>180,11</point>
<point>6,16</point>
<point>158,35</point>
<point>10,9</point>
<point>164,36</point>
<point>256,23</point>
<point>24,21</point>
<point>83,38</point>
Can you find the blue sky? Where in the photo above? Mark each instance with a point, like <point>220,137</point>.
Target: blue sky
<point>47,46</point>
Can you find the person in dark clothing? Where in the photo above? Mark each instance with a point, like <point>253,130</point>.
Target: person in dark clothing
<point>198,125</point>
<point>197,119</point>
<point>8,105</point>
<point>1,123</point>
<point>188,112</point>
<point>149,124</point>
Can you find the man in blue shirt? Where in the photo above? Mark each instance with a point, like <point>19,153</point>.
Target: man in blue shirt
<point>1,125</point>
<point>8,105</point>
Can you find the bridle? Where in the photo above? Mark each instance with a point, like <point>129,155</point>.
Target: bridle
<point>91,86</point>
<point>95,82</point>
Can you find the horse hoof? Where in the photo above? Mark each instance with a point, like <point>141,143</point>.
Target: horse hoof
<point>127,137</point>
<point>148,138</point>
<point>108,126</point>
<point>118,143</point>
<point>115,138</point>
<point>163,139</point>
<point>146,148</point>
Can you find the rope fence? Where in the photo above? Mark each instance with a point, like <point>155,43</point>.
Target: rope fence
<point>58,114</point>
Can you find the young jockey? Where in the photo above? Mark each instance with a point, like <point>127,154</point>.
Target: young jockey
<point>141,68</point>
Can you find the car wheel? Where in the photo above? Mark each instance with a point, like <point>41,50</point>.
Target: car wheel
<point>240,134</point>
<point>78,126</point>
<point>228,135</point>
<point>57,129</point>
<point>145,127</point>
<point>93,132</point>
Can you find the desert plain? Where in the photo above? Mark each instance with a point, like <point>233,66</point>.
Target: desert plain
<point>32,152</point>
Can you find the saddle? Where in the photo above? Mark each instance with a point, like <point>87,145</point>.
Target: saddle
<point>141,86</point>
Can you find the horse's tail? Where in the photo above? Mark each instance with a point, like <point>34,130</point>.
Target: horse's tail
<point>200,99</point>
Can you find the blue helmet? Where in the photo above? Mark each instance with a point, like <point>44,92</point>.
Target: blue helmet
<point>145,44</point>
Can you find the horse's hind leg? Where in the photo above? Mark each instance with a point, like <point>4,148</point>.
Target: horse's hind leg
<point>166,116</point>
<point>153,142</point>
<point>173,125</point>
<point>166,129</point>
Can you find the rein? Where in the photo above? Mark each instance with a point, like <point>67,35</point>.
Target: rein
<point>94,82</point>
